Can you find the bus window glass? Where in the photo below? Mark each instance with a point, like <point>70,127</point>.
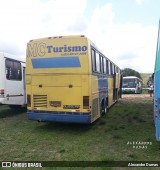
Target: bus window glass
<point>93,60</point>
<point>104,64</point>
<point>130,83</point>
<point>101,64</point>
<point>107,66</point>
<point>111,69</point>
<point>13,70</point>
<point>116,69</point>
<point>97,62</point>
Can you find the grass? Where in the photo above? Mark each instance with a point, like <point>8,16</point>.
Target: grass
<point>112,137</point>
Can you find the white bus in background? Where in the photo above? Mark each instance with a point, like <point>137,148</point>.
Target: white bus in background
<point>12,80</point>
<point>131,85</point>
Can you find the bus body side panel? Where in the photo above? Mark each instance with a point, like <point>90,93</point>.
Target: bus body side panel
<point>157,89</point>
<point>2,78</point>
<point>157,105</point>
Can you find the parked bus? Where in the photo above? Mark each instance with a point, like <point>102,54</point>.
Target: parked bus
<point>157,89</point>
<point>68,79</point>
<point>131,85</point>
<point>12,80</point>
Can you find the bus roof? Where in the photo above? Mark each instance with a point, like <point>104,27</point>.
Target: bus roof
<point>131,77</point>
<point>56,37</point>
<point>11,56</point>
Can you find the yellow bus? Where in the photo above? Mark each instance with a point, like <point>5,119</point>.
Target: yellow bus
<point>68,79</point>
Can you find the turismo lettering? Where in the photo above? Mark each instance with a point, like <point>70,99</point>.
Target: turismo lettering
<point>39,50</point>
<point>66,48</point>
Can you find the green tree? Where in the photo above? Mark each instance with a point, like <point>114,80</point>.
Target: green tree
<point>130,72</point>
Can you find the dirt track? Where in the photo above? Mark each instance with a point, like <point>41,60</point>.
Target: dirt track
<point>137,97</point>
<point>125,96</point>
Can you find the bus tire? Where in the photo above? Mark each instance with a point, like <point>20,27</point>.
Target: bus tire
<point>104,107</point>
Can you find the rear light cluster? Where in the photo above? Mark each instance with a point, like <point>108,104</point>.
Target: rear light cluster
<point>85,102</point>
<point>1,91</point>
<point>28,100</point>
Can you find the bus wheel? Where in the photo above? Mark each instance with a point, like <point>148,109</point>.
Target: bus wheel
<point>104,108</point>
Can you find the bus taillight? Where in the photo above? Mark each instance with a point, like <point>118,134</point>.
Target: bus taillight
<point>85,102</point>
<point>28,100</point>
<point>1,91</point>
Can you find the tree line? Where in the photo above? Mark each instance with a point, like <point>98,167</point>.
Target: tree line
<point>130,72</point>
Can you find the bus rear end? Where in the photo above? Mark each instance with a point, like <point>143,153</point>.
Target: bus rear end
<point>57,80</point>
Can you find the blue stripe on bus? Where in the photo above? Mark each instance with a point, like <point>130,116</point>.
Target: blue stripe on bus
<point>56,62</point>
<point>156,104</point>
<point>59,117</point>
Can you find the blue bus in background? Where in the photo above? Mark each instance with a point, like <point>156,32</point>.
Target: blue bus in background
<point>157,88</point>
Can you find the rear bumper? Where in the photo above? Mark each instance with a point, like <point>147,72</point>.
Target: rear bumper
<point>67,117</point>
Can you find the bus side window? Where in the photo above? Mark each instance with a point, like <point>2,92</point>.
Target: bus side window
<point>13,70</point>
<point>116,69</point>
<point>8,69</point>
<point>17,70</point>
<point>7,73</point>
<point>104,64</point>
<point>97,62</point>
<point>111,69</point>
<point>107,66</point>
<point>101,64</point>
<point>93,60</point>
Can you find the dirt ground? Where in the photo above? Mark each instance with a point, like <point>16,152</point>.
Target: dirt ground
<point>137,97</point>
<point>126,96</point>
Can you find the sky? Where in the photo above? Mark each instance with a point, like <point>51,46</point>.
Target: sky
<point>125,30</point>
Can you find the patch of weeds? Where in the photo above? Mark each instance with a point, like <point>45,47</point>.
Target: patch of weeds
<point>135,117</point>
<point>129,119</point>
<point>62,150</point>
<point>137,112</point>
<point>115,128</point>
<point>141,120</point>
<point>109,128</point>
<point>117,137</point>
<point>125,110</point>
<point>122,127</point>
<point>132,156</point>
<point>102,122</point>
<point>106,158</point>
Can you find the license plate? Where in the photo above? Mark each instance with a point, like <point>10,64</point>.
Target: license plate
<point>55,103</point>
